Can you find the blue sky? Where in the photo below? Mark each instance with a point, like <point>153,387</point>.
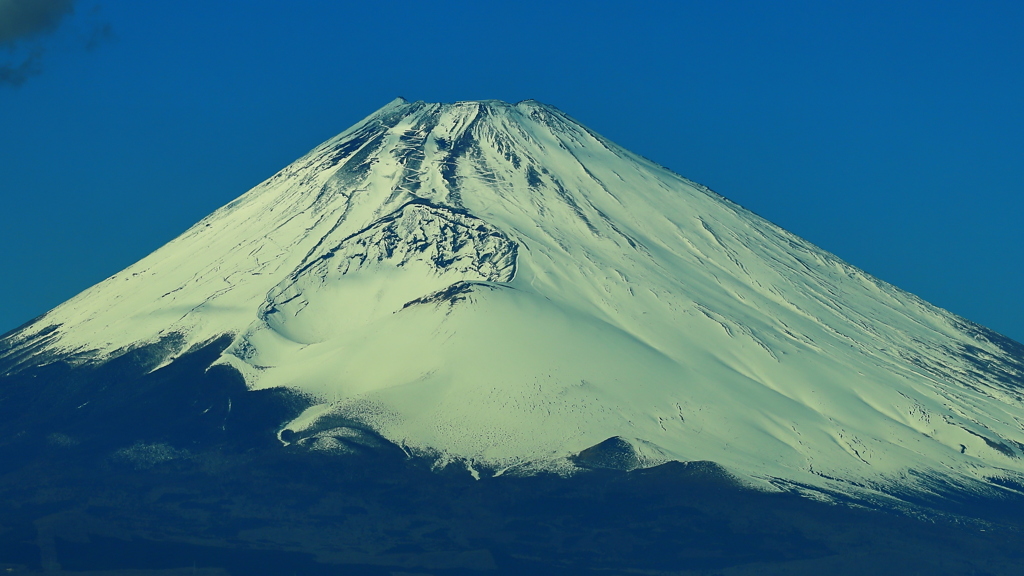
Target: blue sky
<point>890,133</point>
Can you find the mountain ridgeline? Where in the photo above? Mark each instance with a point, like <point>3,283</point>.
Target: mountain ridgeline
<point>520,323</point>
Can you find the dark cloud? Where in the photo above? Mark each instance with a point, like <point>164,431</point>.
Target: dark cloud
<point>16,71</point>
<point>25,26</point>
<point>99,34</point>
<point>21,19</point>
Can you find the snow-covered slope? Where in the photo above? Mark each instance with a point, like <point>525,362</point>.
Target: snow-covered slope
<point>497,284</point>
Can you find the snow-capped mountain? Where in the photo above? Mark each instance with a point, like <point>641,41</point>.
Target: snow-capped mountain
<point>496,285</point>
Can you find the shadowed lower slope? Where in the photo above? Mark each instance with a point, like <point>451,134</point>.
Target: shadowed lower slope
<point>97,491</point>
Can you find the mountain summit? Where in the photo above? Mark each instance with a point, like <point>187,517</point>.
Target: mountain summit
<point>495,285</point>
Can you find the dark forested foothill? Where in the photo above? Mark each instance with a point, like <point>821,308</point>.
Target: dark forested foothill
<point>169,473</point>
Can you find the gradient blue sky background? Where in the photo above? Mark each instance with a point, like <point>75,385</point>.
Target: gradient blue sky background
<point>890,133</point>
